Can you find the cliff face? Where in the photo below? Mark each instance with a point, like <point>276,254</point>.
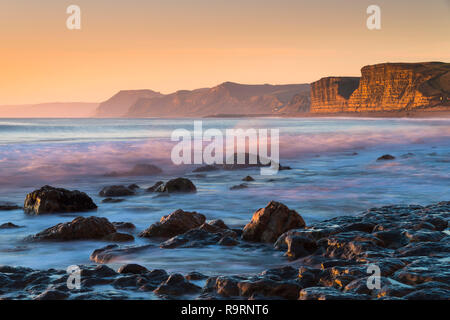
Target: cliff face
<point>385,87</point>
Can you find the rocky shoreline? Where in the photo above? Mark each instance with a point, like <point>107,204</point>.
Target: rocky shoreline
<point>334,259</point>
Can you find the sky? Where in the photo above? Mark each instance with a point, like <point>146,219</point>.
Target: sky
<point>168,45</point>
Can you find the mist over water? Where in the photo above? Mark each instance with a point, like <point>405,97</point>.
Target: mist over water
<point>334,172</point>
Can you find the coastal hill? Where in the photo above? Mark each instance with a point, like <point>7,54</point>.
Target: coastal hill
<point>386,87</point>
<point>226,98</point>
<point>119,104</point>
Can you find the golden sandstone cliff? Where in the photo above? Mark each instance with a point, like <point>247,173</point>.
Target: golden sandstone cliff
<point>385,87</point>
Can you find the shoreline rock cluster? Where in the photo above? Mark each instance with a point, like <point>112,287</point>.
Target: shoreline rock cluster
<point>332,259</point>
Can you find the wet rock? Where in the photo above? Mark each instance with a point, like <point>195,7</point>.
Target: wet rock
<point>116,191</point>
<point>80,228</point>
<point>157,187</point>
<point>53,200</point>
<point>177,285</point>
<point>269,288</point>
<point>7,206</point>
<point>124,225</point>
<point>424,270</point>
<point>9,225</point>
<point>392,239</point>
<point>228,241</point>
<point>248,179</point>
<point>227,286</point>
<point>176,223</point>
<point>424,249</point>
<point>118,237</point>
<point>111,252</point>
<point>195,276</point>
<point>179,185</point>
<point>280,273</point>
<point>52,295</point>
<point>239,187</point>
<point>192,239</point>
<point>429,294</point>
<point>386,157</point>
<point>424,236</point>
<point>269,223</point>
<point>100,271</point>
<point>300,246</point>
<point>328,293</point>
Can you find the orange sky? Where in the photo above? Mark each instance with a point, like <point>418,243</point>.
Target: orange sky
<point>166,45</point>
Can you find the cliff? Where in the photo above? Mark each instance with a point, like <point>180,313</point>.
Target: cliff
<point>118,105</point>
<point>385,87</point>
<point>226,98</point>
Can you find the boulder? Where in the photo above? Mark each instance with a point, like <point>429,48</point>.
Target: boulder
<point>177,285</point>
<point>269,223</point>
<point>248,179</point>
<point>132,268</point>
<point>179,185</point>
<point>386,157</point>
<point>9,225</point>
<point>116,191</point>
<point>176,223</point>
<point>80,228</point>
<point>239,187</point>
<point>51,200</point>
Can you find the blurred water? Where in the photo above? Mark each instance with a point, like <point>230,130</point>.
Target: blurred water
<point>334,172</point>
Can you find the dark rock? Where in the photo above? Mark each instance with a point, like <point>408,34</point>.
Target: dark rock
<point>132,268</point>
<point>392,239</point>
<point>191,239</point>
<point>424,236</point>
<point>177,285</point>
<point>248,179</point>
<point>176,223</point>
<point>269,288</point>
<point>239,187</point>
<point>111,252</point>
<point>9,225</point>
<point>300,246</point>
<point>429,294</point>
<point>116,191</point>
<point>124,225</point>
<point>157,187</point>
<point>133,186</point>
<point>112,200</point>
<point>179,185</point>
<point>80,228</point>
<point>52,295</point>
<point>7,206</point>
<point>328,293</point>
<point>228,242</point>
<point>195,276</point>
<point>52,200</point>
<point>270,222</point>
<point>227,286</point>
<point>118,237</point>
<point>386,157</point>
